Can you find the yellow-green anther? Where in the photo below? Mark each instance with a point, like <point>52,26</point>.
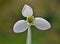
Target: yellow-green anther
<point>30,19</point>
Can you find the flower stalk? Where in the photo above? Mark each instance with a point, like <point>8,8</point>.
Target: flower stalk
<point>28,41</point>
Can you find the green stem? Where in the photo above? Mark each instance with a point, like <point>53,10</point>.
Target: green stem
<point>28,36</point>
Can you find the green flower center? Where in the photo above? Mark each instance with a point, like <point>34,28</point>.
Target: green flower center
<point>30,19</point>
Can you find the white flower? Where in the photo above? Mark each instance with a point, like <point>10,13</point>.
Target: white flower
<point>22,25</point>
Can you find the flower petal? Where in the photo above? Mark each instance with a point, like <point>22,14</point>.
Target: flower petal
<point>20,26</point>
<point>41,23</point>
<point>27,11</point>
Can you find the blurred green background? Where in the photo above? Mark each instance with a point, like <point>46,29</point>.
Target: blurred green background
<point>10,12</point>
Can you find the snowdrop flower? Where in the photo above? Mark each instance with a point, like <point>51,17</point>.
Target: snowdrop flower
<point>23,25</point>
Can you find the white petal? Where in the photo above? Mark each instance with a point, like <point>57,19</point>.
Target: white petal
<point>20,26</point>
<point>41,23</point>
<point>27,11</point>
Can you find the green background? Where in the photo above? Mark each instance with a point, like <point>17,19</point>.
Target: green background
<point>10,12</point>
